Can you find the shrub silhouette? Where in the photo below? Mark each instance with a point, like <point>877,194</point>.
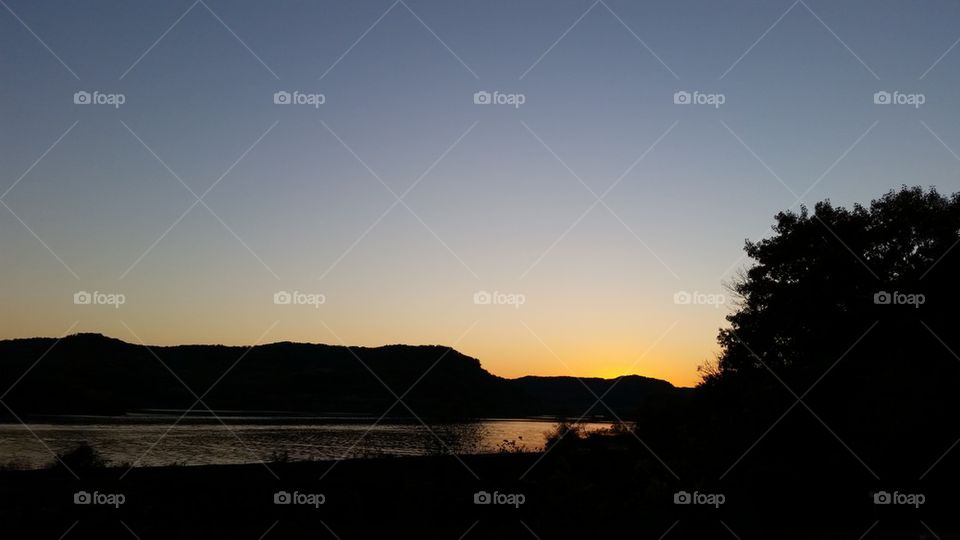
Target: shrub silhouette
<point>82,457</point>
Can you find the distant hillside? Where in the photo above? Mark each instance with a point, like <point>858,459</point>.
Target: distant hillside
<point>569,396</point>
<point>93,374</point>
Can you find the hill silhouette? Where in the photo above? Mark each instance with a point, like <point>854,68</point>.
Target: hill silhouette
<point>94,374</point>
<point>573,396</point>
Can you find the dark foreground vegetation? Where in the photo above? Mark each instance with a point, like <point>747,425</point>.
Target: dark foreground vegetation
<point>830,412</point>
<point>596,486</point>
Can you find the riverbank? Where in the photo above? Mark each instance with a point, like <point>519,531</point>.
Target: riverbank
<point>573,492</point>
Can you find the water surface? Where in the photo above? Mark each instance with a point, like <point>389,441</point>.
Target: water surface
<point>153,439</point>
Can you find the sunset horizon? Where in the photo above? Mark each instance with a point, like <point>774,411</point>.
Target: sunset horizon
<point>453,269</point>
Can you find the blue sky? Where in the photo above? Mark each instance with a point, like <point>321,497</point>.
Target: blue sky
<point>509,199</point>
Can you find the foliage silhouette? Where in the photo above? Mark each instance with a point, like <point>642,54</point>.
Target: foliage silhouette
<point>858,307</point>
<point>837,375</point>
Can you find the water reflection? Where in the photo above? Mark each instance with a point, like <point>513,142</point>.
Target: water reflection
<point>152,441</point>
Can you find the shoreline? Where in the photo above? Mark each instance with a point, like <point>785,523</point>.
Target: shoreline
<point>578,494</point>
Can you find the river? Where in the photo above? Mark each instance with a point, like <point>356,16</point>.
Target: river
<point>157,439</point>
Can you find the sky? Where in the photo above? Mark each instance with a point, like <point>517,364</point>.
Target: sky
<point>553,187</point>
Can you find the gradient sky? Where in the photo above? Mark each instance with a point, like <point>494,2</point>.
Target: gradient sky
<point>504,204</point>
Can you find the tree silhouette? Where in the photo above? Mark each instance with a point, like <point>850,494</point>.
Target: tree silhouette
<point>853,310</point>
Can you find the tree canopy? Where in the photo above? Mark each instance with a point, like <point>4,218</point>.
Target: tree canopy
<point>826,278</point>
<point>849,313</point>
